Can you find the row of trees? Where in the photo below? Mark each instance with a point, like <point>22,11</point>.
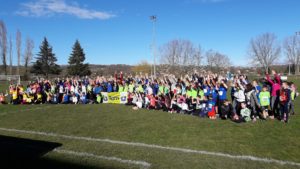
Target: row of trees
<point>265,50</point>
<point>45,63</point>
<point>184,54</point>
<point>8,47</point>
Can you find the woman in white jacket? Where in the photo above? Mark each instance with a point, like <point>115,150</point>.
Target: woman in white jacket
<point>239,97</point>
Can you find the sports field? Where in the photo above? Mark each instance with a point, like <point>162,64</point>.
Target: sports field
<point>115,136</point>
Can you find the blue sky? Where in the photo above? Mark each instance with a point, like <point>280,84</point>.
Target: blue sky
<point>119,31</point>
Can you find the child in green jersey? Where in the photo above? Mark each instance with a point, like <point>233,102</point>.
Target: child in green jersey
<point>264,99</point>
<point>294,94</point>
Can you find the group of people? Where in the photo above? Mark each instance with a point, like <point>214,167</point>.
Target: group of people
<point>200,94</point>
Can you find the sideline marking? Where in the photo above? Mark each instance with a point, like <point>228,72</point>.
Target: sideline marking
<point>136,144</point>
<point>91,155</point>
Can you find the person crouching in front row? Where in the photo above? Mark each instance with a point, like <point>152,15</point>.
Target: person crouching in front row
<point>245,114</point>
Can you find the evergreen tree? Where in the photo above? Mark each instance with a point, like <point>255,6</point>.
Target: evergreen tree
<point>76,66</point>
<point>45,61</point>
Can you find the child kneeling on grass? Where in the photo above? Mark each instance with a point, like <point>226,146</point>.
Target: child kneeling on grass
<point>245,114</point>
<point>83,99</point>
<point>98,98</point>
<point>74,99</point>
<point>211,108</point>
<point>226,110</point>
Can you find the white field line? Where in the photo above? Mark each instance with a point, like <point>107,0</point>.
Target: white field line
<point>84,154</point>
<point>184,150</point>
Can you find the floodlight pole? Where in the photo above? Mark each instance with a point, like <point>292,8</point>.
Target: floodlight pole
<point>153,19</point>
<point>297,34</point>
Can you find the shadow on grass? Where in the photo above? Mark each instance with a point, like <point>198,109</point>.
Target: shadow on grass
<point>28,154</point>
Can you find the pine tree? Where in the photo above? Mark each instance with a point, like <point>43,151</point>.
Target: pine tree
<point>45,61</point>
<point>76,66</point>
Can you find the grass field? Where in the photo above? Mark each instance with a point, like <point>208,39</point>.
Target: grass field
<point>109,136</point>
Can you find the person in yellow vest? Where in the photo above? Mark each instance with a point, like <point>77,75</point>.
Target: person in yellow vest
<point>48,96</point>
<point>20,93</point>
<point>161,89</point>
<point>121,88</point>
<point>11,89</point>
<point>30,98</point>
<point>131,87</point>
<point>15,96</point>
<point>201,94</point>
<point>126,87</point>
<point>21,89</point>
<point>98,98</point>
<point>38,98</point>
<point>194,92</point>
<point>27,99</point>
<point>188,92</point>
<point>24,99</point>
<point>140,88</point>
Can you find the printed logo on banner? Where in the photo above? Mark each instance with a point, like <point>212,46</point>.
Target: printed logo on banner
<point>123,98</point>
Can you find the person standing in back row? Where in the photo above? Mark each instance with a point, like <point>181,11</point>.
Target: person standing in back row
<point>274,93</point>
<point>294,94</point>
<point>284,99</point>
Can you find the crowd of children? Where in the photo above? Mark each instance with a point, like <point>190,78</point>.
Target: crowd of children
<point>203,95</point>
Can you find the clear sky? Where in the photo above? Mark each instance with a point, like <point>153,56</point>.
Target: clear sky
<point>120,31</point>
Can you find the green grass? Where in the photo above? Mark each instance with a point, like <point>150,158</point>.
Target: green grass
<point>265,139</point>
<point>4,86</point>
<point>270,139</point>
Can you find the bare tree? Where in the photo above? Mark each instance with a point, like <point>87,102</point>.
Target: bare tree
<point>3,45</point>
<point>181,53</point>
<point>217,60</point>
<point>197,58</point>
<point>18,45</point>
<point>169,53</point>
<point>28,55</point>
<point>10,56</point>
<point>264,50</point>
<point>291,47</point>
<point>210,58</point>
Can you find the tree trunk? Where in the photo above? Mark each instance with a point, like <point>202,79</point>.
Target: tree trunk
<point>297,69</point>
<point>266,69</point>
<point>26,67</point>
<point>4,64</point>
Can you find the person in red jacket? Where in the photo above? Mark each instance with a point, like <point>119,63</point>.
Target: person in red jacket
<point>276,84</point>
<point>284,99</point>
<point>119,79</point>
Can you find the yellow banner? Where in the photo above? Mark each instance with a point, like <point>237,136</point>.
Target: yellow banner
<point>114,97</point>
